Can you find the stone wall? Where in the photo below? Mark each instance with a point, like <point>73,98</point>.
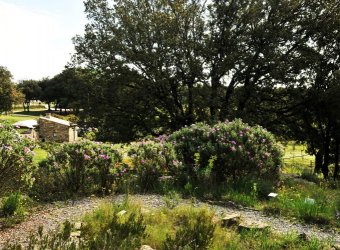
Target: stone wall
<point>52,131</point>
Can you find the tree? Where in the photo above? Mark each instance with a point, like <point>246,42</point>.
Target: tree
<point>31,90</point>
<point>159,65</point>
<point>159,44</point>
<point>7,90</point>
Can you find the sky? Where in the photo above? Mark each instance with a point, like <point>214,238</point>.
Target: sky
<point>36,36</point>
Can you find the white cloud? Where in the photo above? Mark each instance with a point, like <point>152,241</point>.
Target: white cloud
<point>32,44</point>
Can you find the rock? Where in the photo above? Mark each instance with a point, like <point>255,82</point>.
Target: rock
<point>146,247</point>
<point>75,234</point>
<point>77,225</point>
<point>231,220</point>
<point>272,195</point>
<point>256,226</point>
<point>121,213</point>
<point>309,201</point>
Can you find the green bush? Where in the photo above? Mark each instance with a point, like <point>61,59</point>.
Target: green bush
<point>151,160</point>
<point>195,230</point>
<point>12,205</point>
<point>16,160</point>
<point>79,169</point>
<point>228,150</point>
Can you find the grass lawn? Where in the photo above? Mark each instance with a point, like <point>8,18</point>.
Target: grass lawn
<point>13,118</point>
<point>296,160</point>
<point>40,155</point>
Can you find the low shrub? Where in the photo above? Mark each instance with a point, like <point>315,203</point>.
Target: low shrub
<point>152,160</point>
<point>227,151</point>
<point>79,169</point>
<point>195,230</point>
<point>118,226</point>
<point>12,205</point>
<point>16,160</point>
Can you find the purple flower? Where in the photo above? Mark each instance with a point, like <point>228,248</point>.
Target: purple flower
<point>104,156</point>
<point>142,161</point>
<point>86,157</point>
<point>233,142</point>
<point>27,150</point>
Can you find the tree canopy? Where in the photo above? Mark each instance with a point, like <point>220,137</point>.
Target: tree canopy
<point>148,67</point>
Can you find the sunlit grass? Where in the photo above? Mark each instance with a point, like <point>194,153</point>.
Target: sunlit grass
<point>296,160</point>
<point>16,118</point>
<point>40,155</point>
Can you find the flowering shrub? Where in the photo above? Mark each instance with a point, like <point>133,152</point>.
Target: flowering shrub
<point>80,168</point>
<point>227,150</point>
<point>16,160</point>
<point>151,160</point>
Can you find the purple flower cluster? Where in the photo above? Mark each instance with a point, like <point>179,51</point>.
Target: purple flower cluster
<point>104,156</point>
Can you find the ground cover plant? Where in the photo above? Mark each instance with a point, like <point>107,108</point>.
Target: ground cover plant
<point>125,226</point>
<point>81,168</point>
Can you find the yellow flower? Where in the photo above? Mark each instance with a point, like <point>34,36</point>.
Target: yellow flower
<point>128,162</point>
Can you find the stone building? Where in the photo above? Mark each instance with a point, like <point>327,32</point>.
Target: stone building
<point>57,130</point>
<point>27,129</point>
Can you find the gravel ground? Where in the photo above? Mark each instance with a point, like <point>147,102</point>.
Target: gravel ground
<point>52,215</point>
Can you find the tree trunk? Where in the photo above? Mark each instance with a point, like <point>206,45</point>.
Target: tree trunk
<point>318,162</point>
<point>336,159</point>
<point>226,102</point>
<point>215,82</point>
<point>49,106</point>
<point>190,115</point>
<point>325,170</point>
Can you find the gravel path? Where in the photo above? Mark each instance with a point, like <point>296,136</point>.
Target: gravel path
<point>52,215</point>
<point>49,216</point>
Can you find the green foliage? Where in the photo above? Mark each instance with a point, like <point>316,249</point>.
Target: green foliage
<point>227,151</point>
<point>305,201</point>
<point>12,205</point>
<point>79,169</point>
<point>171,199</point>
<point>151,160</point>
<point>124,231</point>
<point>195,230</point>
<point>7,90</point>
<point>114,226</point>
<point>16,160</point>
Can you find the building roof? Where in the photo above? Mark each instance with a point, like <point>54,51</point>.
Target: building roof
<point>26,124</point>
<point>56,120</point>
